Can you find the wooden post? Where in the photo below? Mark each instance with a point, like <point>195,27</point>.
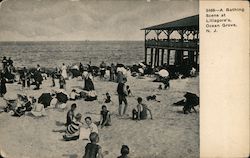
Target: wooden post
<point>197,56</point>
<point>145,44</point>
<point>168,62</point>
<point>158,56</point>
<point>152,55</point>
<point>178,57</point>
<point>191,57</point>
<point>155,62</point>
<point>162,56</point>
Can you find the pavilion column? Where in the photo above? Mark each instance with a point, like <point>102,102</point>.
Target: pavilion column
<point>158,56</point>
<point>155,61</point>
<point>162,56</point>
<point>151,57</point>
<point>178,57</point>
<point>146,55</point>
<point>196,58</point>
<point>168,62</point>
<point>191,57</point>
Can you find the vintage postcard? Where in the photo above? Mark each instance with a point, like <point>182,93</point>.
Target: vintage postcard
<point>127,78</point>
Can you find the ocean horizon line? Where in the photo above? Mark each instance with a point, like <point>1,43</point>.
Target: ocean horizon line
<point>73,41</point>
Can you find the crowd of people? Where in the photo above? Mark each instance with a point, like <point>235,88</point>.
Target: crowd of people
<point>74,127</point>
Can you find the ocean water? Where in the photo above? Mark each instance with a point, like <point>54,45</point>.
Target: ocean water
<point>52,54</point>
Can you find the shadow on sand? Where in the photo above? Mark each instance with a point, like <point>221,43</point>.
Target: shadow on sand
<point>70,155</point>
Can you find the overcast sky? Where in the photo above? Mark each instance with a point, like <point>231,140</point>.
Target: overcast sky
<point>42,20</point>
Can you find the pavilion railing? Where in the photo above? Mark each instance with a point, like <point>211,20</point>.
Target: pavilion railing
<point>173,43</point>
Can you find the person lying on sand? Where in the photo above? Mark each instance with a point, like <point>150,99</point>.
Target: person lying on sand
<point>105,119</point>
<point>70,115</point>
<point>153,97</point>
<point>93,150</point>
<point>124,152</point>
<point>141,112</point>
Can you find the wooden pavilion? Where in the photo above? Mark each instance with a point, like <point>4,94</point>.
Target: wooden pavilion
<point>185,49</point>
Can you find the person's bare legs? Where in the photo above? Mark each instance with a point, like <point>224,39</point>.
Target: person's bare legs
<point>120,109</point>
<point>125,108</point>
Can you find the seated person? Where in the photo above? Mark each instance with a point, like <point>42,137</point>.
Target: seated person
<point>128,90</point>
<point>93,150</point>
<point>73,129</point>
<point>124,152</point>
<point>23,105</point>
<point>160,87</point>
<point>74,95</point>
<point>141,112</point>
<point>105,119</point>
<point>70,115</point>
<point>91,127</point>
<point>193,72</point>
<point>165,81</point>
<point>108,98</point>
<point>38,110</point>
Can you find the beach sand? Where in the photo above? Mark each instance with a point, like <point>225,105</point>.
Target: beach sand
<point>170,134</point>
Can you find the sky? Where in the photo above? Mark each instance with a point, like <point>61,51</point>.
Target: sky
<point>77,20</point>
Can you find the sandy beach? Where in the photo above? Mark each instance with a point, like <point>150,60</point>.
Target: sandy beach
<point>169,134</point>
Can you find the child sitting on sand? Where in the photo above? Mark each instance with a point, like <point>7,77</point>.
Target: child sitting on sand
<point>165,81</point>
<point>74,95</point>
<point>93,150</point>
<point>128,90</point>
<point>160,87</point>
<point>91,126</point>
<point>108,98</point>
<point>70,115</point>
<point>124,152</point>
<point>141,112</point>
<point>105,119</point>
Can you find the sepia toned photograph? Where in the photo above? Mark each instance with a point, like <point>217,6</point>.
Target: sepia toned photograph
<point>99,79</point>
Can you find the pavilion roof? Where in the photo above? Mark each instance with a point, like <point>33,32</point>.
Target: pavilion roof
<point>184,23</point>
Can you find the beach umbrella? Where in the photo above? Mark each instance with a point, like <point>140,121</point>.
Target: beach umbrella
<point>62,97</point>
<point>192,99</point>
<point>75,67</point>
<point>45,99</point>
<point>163,73</point>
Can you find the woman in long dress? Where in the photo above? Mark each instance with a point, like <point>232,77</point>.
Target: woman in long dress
<point>88,83</point>
<point>64,71</point>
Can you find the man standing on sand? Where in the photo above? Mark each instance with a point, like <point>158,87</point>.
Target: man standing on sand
<point>122,94</point>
